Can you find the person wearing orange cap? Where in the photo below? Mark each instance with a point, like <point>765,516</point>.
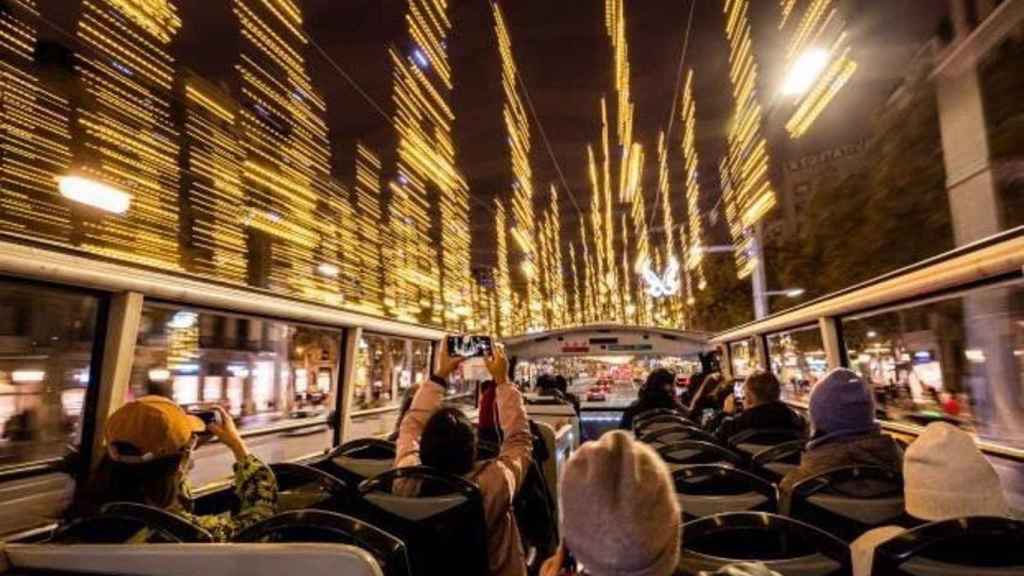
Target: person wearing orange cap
<point>150,443</point>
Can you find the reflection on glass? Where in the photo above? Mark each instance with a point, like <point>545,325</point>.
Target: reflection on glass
<point>743,359</point>
<point>798,360</point>
<point>267,374</point>
<point>386,369</point>
<point>959,360</point>
<point>46,343</point>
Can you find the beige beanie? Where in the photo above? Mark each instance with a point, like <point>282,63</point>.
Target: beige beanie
<point>946,477</point>
<point>619,509</point>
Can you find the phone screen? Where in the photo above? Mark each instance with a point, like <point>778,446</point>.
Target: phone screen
<point>469,346</point>
<point>737,390</point>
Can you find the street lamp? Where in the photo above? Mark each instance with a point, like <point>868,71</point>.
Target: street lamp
<point>791,293</point>
<point>95,194</point>
<point>804,72</point>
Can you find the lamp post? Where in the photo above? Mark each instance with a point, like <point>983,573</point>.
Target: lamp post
<point>757,277</point>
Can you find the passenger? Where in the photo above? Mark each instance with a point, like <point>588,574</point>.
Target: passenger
<point>549,386</point>
<point>444,438</point>
<point>843,431</point>
<point>619,511</point>
<point>945,477</point>
<point>659,391</point>
<point>150,447</point>
<point>705,397</point>
<point>563,386</point>
<point>762,409</point>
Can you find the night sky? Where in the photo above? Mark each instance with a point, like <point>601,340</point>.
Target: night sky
<point>564,58</point>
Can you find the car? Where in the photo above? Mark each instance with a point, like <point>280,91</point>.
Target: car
<point>597,394</point>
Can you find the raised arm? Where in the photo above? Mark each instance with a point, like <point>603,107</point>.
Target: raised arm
<point>426,401</point>
<point>517,446</point>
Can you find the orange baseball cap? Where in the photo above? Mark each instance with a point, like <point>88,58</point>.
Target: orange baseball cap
<point>155,426</point>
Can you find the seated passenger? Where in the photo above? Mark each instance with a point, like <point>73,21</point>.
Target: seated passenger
<point>445,438</point>
<point>762,409</point>
<point>563,386</point>
<point>843,431</point>
<point>945,477</point>
<point>556,387</point>
<point>150,443</point>
<point>659,391</point>
<point>705,403</point>
<point>619,511</point>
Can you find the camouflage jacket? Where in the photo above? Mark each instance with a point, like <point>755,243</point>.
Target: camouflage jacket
<point>256,489</point>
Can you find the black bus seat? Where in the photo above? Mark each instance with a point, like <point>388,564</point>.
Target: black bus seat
<point>440,517</point>
<point>784,545</point>
<point>643,417</point>
<point>322,526</point>
<point>757,440</point>
<point>301,487</point>
<point>655,423</point>
<point>977,546</point>
<point>358,460</point>
<point>849,500</point>
<point>706,490</point>
<point>696,452</point>
<point>191,559</point>
<point>119,522</point>
<point>675,434</point>
<point>779,460</point>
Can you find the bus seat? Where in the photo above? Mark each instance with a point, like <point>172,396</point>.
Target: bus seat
<point>646,415</point>
<point>782,544</point>
<point>555,415</point>
<point>775,462</point>
<point>440,517</point>
<point>977,546</point>
<point>757,440</point>
<point>191,559</point>
<point>850,500</point>
<point>671,435</point>
<point>697,452</point>
<point>661,421</point>
<point>706,490</point>
<point>119,522</point>
<point>301,487</point>
<point>322,526</point>
<point>358,460</point>
<point>550,466</point>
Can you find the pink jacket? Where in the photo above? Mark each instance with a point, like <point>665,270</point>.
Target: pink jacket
<point>499,479</point>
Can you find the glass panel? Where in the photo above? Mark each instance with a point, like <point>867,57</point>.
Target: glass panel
<point>46,344</point>
<point>959,360</point>
<point>384,372</point>
<point>743,359</point>
<point>798,359</point>
<point>278,380</point>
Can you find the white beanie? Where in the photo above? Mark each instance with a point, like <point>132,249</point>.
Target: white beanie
<point>619,510</point>
<point>946,477</point>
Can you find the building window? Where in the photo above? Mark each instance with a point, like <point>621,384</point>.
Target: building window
<point>798,360</point>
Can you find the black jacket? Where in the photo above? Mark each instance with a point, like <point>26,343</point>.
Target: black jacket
<point>641,405</point>
<point>773,415</point>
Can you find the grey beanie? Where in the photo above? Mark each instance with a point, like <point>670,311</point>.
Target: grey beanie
<point>947,477</point>
<point>842,405</point>
<point>619,510</point>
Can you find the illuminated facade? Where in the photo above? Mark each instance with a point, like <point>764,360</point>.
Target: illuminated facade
<point>502,312</point>
<point>746,182</point>
<point>692,244</point>
<point>36,135</point>
<point>125,134</point>
<point>818,26</point>
<point>432,278</point>
<point>369,254</point>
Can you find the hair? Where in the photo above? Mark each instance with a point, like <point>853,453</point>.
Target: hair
<point>562,383</point>
<point>660,383</point>
<point>547,382</point>
<point>449,442</point>
<point>707,391</point>
<point>764,386</point>
<point>156,483</point>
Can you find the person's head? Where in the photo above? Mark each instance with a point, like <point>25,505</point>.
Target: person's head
<point>660,383</point>
<point>449,442</point>
<point>149,448</point>
<point>620,514</point>
<point>761,388</point>
<point>842,405</point>
<point>946,476</point>
<point>546,382</point>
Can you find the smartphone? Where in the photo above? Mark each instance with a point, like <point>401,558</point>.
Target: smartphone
<point>738,390</point>
<point>207,415</point>
<point>470,346</point>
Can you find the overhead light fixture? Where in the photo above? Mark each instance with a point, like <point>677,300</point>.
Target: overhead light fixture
<point>95,194</point>
<point>28,376</point>
<point>183,320</point>
<point>804,72</point>
<point>795,292</point>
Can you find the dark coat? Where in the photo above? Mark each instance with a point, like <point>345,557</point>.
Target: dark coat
<point>773,415</point>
